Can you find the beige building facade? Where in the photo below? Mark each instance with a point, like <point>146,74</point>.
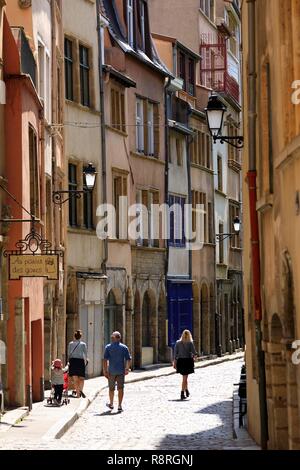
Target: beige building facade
<point>271,128</point>
<point>82,132</point>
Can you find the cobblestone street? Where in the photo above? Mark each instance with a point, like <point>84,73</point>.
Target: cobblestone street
<point>154,418</point>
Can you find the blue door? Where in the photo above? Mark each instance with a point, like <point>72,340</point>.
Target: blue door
<point>180,309</point>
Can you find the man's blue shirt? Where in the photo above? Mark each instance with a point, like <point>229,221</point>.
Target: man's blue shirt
<point>117,354</point>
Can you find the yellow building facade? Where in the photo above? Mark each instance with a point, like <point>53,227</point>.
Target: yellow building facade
<point>271,49</point>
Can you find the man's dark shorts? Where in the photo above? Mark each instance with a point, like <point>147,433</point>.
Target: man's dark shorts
<point>116,379</point>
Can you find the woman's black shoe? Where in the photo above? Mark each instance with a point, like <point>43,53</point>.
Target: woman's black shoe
<point>182,396</point>
<point>187,393</point>
<point>82,394</point>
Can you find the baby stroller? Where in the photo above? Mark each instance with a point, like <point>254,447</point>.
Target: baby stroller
<point>65,397</point>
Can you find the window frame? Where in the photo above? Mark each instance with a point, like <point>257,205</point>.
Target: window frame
<point>69,70</point>
<point>73,202</point>
<point>84,75</point>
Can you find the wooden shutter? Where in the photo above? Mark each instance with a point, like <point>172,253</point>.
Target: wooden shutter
<point>156,130</point>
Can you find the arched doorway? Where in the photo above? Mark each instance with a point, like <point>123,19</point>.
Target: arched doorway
<point>149,329</point>
<point>113,316</point>
<point>204,304</point>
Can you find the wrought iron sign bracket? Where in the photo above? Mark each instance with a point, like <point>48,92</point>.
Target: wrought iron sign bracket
<point>58,196</point>
<point>220,237</point>
<point>230,140</point>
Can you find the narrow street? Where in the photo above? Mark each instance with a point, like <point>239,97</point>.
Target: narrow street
<point>154,418</point>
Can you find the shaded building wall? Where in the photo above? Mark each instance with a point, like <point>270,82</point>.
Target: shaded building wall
<point>277,206</point>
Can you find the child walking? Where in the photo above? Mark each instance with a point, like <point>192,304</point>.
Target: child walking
<point>57,379</point>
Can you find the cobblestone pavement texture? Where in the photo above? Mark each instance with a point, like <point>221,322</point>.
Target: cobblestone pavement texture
<point>154,418</point>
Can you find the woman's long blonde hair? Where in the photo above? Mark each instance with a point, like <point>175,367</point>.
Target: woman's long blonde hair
<point>186,337</point>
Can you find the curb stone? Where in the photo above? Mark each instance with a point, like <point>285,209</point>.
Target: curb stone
<point>61,427</point>
<point>11,418</point>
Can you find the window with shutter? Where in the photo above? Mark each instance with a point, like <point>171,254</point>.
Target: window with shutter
<point>156,130</point>
<point>140,145</point>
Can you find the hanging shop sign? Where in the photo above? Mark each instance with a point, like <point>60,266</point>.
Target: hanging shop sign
<point>33,257</point>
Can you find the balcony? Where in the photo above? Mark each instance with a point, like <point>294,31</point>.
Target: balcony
<point>214,71</point>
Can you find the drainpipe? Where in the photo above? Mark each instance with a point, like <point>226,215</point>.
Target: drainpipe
<point>103,131</point>
<point>255,249</point>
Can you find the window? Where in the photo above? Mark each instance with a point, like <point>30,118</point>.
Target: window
<point>34,173</point>
<point>49,207</point>
<point>201,149</point>
<point>47,104</point>
<point>182,67</point>
<point>208,7</point>
<point>69,69</point>
<point>199,198</point>
<point>233,42</point>
<point>73,216</point>
<point>140,144</point>
<point>177,226</point>
<point>150,130</point>
<point>210,215</point>
<point>130,21</point>
<point>118,109</point>
<point>233,153</point>
<point>119,190</point>
<point>41,60</point>
<point>191,78</point>
<point>186,71</point>
<point>147,127</point>
<point>234,211</point>
<point>220,173</point>
<point>88,216</point>
<point>179,151</point>
<point>221,244</point>
<point>142,20</point>
<point>84,75</point>
<point>148,228</point>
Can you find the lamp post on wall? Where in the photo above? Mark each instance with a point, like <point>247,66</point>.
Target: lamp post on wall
<point>89,175</point>
<point>220,237</point>
<point>215,113</point>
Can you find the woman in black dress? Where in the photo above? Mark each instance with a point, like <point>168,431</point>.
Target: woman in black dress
<point>77,354</point>
<point>184,354</point>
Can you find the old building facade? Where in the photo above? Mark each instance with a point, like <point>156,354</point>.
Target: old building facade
<point>272,171</point>
<point>136,169</point>
<point>82,132</point>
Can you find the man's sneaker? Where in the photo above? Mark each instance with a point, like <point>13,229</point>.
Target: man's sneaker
<point>120,409</point>
<point>111,407</point>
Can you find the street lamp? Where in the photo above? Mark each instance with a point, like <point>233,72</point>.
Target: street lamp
<point>220,237</point>
<point>89,178</point>
<point>215,112</point>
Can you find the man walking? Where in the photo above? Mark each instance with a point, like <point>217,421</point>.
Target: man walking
<point>116,365</point>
